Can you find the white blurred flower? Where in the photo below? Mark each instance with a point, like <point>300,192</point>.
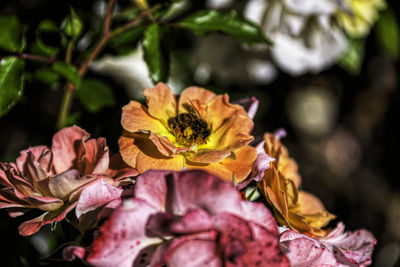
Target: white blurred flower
<point>304,38</point>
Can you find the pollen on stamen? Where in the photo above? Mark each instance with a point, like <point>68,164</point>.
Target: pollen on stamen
<point>189,129</point>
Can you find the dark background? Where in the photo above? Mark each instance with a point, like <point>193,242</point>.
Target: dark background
<point>350,162</point>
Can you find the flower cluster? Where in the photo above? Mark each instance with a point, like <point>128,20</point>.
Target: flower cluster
<point>172,196</point>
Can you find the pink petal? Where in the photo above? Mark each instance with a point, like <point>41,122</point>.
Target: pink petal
<point>194,253</point>
<point>63,184</point>
<point>123,236</point>
<point>96,195</point>
<point>71,252</point>
<point>96,157</point>
<point>261,164</point>
<point>30,227</point>
<point>67,147</point>
<point>151,186</point>
<point>119,170</point>
<point>44,203</point>
<point>41,154</point>
<point>250,105</point>
<point>347,250</point>
<point>199,189</point>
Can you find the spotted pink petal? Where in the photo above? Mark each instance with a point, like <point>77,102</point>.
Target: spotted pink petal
<point>67,147</point>
<point>123,236</point>
<point>349,249</point>
<point>95,195</point>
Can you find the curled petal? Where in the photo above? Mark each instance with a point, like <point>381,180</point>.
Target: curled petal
<point>30,227</point>
<point>261,164</point>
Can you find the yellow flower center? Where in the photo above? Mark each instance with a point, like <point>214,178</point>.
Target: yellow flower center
<point>189,129</point>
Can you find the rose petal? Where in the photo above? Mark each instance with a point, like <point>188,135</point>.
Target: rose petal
<point>208,155</point>
<point>136,118</point>
<point>250,105</point>
<point>44,203</point>
<point>219,110</point>
<point>195,96</point>
<point>151,187</point>
<point>30,227</point>
<point>125,229</point>
<point>67,147</point>
<point>161,102</point>
<point>193,253</point>
<point>96,195</point>
<point>119,170</point>
<point>96,158</point>
<point>63,184</point>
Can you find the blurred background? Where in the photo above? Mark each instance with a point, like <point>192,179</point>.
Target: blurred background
<point>338,99</point>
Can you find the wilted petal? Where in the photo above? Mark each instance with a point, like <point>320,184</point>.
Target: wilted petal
<point>67,147</point>
<point>96,195</point>
<point>32,226</point>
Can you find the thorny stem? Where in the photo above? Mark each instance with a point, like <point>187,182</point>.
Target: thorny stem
<point>107,35</point>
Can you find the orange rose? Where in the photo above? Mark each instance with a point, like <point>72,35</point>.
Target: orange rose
<point>197,130</point>
<point>298,210</point>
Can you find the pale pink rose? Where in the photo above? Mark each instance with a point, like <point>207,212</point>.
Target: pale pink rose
<point>52,179</point>
<point>188,218</point>
<point>337,249</point>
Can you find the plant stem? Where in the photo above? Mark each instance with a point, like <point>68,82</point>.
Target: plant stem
<point>38,58</point>
<point>107,35</point>
<point>68,92</point>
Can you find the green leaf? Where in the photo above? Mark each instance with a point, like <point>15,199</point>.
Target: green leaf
<point>46,27</point>
<point>228,22</point>
<point>72,25</point>
<point>68,71</point>
<point>47,76</point>
<point>353,58</point>
<point>388,33</point>
<point>95,95</point>
<point>125,43</point>
<point>11,34</point>
<point>11,82</point>
<point>156,57</point>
